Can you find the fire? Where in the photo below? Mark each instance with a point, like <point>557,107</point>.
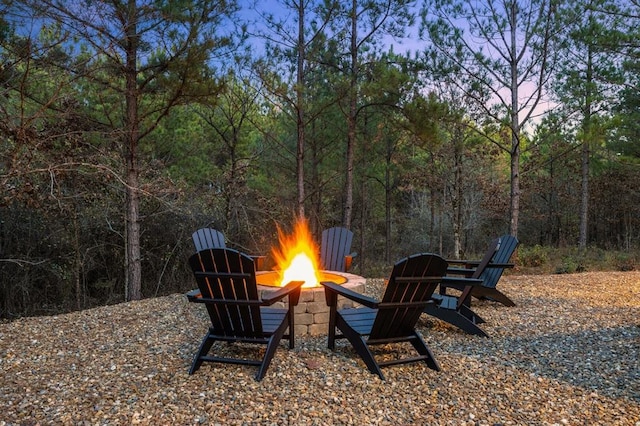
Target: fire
<point>297,257</point>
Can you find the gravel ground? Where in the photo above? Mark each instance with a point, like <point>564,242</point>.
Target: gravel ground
<point>568,354</point>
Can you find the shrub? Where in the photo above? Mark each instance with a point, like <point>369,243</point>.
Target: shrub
<point>571,266</point>
<point>623,261</point>
<point>575,260</point>
<point>534,257</point>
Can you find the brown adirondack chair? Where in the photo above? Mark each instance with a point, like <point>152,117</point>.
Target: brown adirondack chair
<point>335,249</point>
<point>489,269</point>
<point>394,318</point>
<point>227,287</point>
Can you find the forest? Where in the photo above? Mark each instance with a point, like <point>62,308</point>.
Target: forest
<point>422,126</point>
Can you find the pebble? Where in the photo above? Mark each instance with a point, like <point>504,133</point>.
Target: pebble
<point>567,354</point>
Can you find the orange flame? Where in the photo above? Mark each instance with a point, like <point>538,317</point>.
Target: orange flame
<point>297,257</point>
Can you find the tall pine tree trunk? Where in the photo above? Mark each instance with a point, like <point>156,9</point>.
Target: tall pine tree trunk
<point>515,129</point>
<point>351,119</point>
<point>587,131</point>
<point>456,197</point>
<point>132,214</point>
<point>300,111</point>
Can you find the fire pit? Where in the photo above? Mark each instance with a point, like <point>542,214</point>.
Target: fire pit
<point>296,259</point>
<point>312,312</point>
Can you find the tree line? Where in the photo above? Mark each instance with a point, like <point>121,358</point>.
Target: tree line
<point>126,125</point>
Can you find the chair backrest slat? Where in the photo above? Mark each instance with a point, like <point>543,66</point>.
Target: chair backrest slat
<point>230,276</point>
<point>336,244</point>
<point>409,290</point>
<point>487,258</point>
<point>207,238</point>
<point>506,245</point>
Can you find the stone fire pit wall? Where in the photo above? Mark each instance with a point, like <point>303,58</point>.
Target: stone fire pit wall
<point>312,312</point>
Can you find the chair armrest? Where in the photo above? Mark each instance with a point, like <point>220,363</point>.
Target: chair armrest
<point>463,262</point>
<point>460,282</point>
<point>258,260</point>
<point>501,265</point>
<point>290,289</point>
<point>467,272</point>
<point>280,294</point>
<point>330,287</point>
<point>348,260</point>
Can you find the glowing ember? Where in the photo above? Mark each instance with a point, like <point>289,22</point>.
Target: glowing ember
<point>297,257</point>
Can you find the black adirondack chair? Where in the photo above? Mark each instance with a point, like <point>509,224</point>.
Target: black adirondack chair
<point>456,309</point>
<point>489,270</point>
<point>227,287</point>
<point>335,249</point>
<point>208,238</point>
<point>394,318</point>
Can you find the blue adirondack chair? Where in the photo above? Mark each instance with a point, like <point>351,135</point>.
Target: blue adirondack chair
<point>335,249</point>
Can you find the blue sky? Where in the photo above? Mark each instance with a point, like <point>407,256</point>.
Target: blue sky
<point>410,43</point>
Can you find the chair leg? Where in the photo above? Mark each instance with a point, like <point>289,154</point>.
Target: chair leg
<point>291,327</point>
<point>205,346</point>
<point>423,349</point>
<point>493,294</point>
<point>274,341</point>
<point>332,302</point>
<point>455,318</point>
<point>360,346</point>
<point>331,338</point>
<point>470,315</point>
